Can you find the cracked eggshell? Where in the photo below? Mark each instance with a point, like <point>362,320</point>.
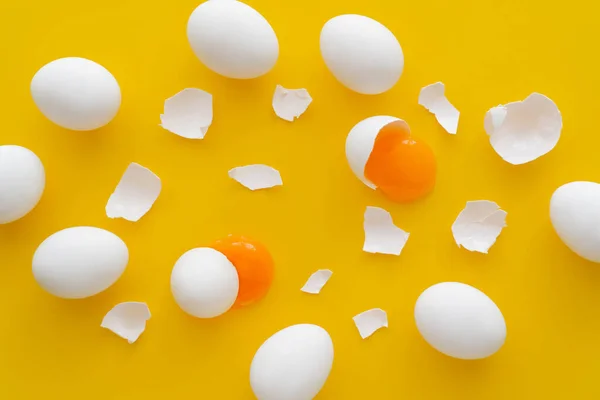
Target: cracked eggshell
<point>22,182</point>
<point>79,262</point>
<point>76,93</point>
<point>204,282</point>
<point>360,142</point>
<point>575,215</point>
<point>361,53</point>
<point>232,39</point>
<point>293,364</point>
<point>460,321</point>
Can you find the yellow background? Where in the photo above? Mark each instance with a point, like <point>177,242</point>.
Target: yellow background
<point>486,52</point>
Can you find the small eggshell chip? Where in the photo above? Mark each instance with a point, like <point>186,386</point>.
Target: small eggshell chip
<point>22,182</point>
<point>232,39</point>
<point>523,131</point>
<point>135,194</point>
<point>293,364</point>
<point>290,103</point>
<point>368,322</point>
<point>188,114</point>
<point>575,216</point>
<point>316,281</point>
<point>381,235</point>
<point>360,142</point>
<point>76,93</point>
<point>432,97</point>
<point>460,321</point>
<point>256,176</point>
<point>127,320</point>
<point>79,262</point>
<point>204,283</point>
<point>478,225</point>
<point>361,53</point>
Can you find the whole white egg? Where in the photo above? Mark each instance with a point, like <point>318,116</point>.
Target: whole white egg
<point>293,364</point>
<point>22,181</point>
<point>232,39</point>
<point>204,283</point>
<point>361,53</point>
<point>76,93</point>
<point>79,262</point>
<point>460,321</point>
<point>575,215</point>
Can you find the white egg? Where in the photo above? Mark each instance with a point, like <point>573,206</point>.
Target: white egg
<point>460,321</point>
<point>79,262</point>
<point>76,93</point>
<point>232,39</point>
<point>22,181</point>
<point>575,215</point>
<point>293,364</point>
<point>361,53</point>
<point>204,283</point>
<point>360,142</point>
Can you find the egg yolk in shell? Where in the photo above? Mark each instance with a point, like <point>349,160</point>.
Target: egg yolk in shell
<point>254,266</point>
<point>402,167</point>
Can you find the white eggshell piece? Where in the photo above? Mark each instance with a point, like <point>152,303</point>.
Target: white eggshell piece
<point>370,321</point>
<point>135,194</point>
<point>523,131</point>
<point>460,321</point>
<point>232,39</point>
<point>76,93</point>
<point>188,114</point>
<point>127,320</point>
<point>433,98</point>
<point>361,53</point>
<point>256,176</point>
<point>360,142</point>
<point>575,215</point>
<point>381,235</point>
<point>204,282</point>
<point>293,364</point>
<point>289,104</point>
<point>22,182</point>
<point>316,281</point>
<point>478,225</point>
<point>79,262</point>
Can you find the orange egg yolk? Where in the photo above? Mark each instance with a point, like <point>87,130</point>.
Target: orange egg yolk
<point>254,266</point>
<point>402,167</point>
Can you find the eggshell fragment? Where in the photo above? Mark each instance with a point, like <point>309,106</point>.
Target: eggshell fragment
<point>79,262</point>
<point>22,182</point>
<point>127,320</point>
<point>432,97</point>
<point>316,281</point>
<point>135,194</point>
<point>460,321</point>
<point>523,131</point>
<point>368,322</point>
<point>293,364</point>
<point>575,216</point>
<point>256,176</point>
<point>290,103</point>
<point>361,53</point>
<point>478,225</point>
<point>204,283</point>
<point>381,235</point>
<point>188,114</point>
<point>232,39</point>
<point>360,142</point>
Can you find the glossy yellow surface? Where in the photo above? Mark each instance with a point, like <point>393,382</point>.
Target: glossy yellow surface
<point>485,52</point>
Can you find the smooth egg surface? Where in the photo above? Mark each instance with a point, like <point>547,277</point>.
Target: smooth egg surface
<point>79,262</point>
<point>22,182</point>
<point>293,364</point>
